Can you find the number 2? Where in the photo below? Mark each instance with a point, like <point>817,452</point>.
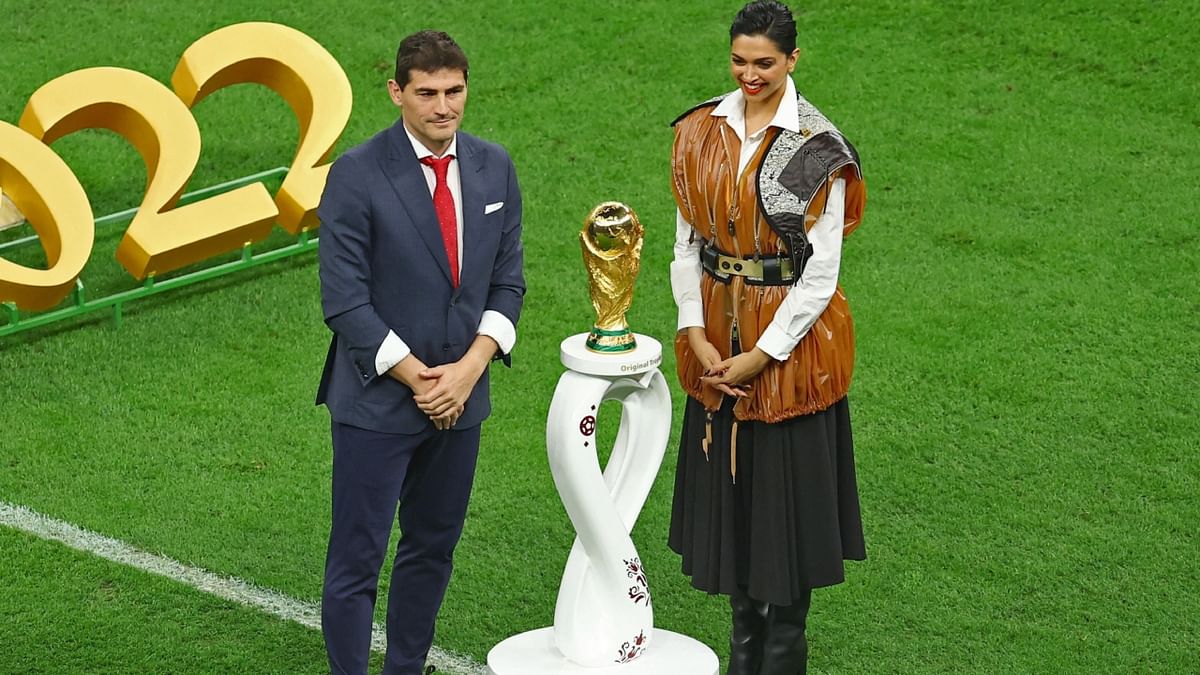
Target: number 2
<point>158,122</point>
<point>297,68</point>
<point>160,126</point>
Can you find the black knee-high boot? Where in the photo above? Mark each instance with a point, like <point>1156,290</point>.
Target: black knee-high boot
<point>785,651</point>
<point>746,637</point>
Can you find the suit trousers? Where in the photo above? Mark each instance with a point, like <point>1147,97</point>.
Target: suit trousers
<point>427,475</point>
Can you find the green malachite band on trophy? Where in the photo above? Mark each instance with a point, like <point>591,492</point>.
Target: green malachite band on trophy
<point>614,349</point>
<point>611,341</point>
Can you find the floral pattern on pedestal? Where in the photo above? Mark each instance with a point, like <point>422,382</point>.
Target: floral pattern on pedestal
<point>633,649</point>
<point>640,591</point>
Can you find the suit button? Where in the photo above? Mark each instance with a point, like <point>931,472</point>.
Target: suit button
<point>445,346</point>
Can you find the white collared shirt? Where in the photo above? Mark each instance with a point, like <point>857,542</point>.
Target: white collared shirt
<point>808,298</point>
<point>453,180</point>
<point>492,324</point>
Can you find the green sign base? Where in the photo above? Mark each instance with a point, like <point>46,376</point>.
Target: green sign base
<point>78,304</point>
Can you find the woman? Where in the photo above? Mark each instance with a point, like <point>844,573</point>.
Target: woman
<point>766,502</point>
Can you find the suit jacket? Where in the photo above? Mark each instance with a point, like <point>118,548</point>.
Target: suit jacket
<point>383,266</point>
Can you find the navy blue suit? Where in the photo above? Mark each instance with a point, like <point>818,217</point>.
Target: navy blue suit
<point>383,266</point>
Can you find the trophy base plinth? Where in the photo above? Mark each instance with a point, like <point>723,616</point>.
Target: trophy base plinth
<point>576,356</point>
<point>534,653</point>
<point>611,341</point>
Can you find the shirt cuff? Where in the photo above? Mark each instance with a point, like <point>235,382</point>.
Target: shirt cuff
<point>691,313</point>
<point>392,351</point>
<point>776,343</point>
<point>497,326</point>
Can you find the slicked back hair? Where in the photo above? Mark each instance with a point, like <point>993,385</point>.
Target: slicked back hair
<point>767,18</point>
<point>428,51</point>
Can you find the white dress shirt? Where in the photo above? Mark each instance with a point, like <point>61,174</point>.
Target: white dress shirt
<point>492,324</point>
<point>807,299</point>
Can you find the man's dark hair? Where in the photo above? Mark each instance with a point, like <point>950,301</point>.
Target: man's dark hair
<point>428,51</point>
<point>768,18</point>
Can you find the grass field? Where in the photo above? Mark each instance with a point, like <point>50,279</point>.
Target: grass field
<point>1024,287</point>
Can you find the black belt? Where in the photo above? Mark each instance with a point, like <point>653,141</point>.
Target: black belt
<point>767,270</point>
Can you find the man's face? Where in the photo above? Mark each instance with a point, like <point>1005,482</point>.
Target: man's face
<point>431,105</point>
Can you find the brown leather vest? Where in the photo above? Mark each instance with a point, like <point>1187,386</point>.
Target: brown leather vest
<point>725,208</point>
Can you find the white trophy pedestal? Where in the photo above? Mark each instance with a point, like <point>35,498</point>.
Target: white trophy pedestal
<point>603,619</point>
<point>534,653</point>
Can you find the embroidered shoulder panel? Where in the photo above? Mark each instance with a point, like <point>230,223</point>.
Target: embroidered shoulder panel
<point>796,165</point>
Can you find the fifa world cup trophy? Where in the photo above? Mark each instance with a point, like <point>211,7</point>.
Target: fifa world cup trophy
<point>612,250</point>
<point>603,615</point>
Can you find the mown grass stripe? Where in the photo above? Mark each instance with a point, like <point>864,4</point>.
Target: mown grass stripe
<point>228,588</point>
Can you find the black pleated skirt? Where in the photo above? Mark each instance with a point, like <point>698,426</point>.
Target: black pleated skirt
<point>788,521</point>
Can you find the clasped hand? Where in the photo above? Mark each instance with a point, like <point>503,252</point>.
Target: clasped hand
<point>444,400</point>
<point>449,386</point>
<point>441,392</point>
<point>729,376</point>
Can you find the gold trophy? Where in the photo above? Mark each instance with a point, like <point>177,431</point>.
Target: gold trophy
<point>612,250</point>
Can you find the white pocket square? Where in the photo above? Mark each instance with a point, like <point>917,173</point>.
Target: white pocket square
<point>492,208</point>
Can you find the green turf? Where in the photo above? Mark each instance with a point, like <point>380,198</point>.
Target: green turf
<point>70,612</point>
<point>1023,287</point>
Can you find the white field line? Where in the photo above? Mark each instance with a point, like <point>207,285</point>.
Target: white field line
<point>228,588</point>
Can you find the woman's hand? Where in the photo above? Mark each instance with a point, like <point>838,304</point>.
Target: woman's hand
<point>709,357</point>
<point>702,348</point>
<point>732,376</point>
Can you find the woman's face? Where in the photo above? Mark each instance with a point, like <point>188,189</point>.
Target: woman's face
<point>758,67</point>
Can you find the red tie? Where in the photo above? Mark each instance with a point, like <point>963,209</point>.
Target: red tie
<point>443,203</point>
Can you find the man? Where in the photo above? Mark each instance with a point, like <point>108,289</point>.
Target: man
<point>422,285</point>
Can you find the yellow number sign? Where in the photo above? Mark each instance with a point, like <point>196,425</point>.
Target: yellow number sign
<point>158,122</point>
<point>29,171</point>
<point>160,238</point>
<point>300,71</point>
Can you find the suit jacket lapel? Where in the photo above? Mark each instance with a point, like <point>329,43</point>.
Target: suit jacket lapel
<point>408,180</point>
<point>470,172</point>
